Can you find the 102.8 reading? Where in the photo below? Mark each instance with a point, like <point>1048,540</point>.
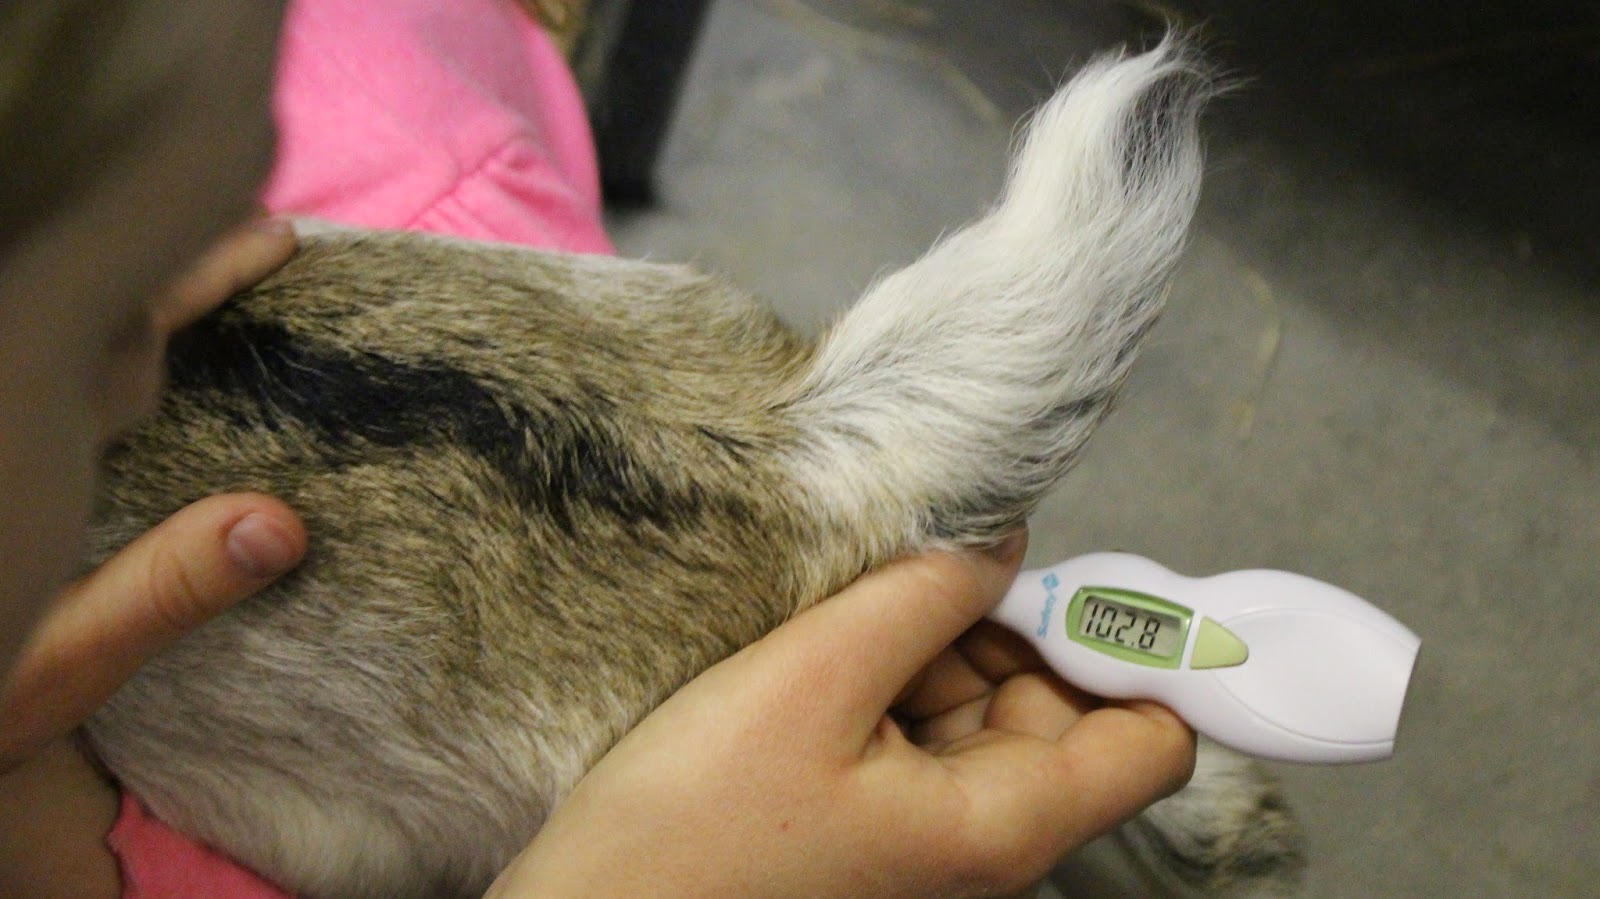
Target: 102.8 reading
<point>1125,627</point>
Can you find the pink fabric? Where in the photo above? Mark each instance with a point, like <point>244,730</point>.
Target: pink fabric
<point>456,117</point>
<point>160,863</point>
<point>451,116</point>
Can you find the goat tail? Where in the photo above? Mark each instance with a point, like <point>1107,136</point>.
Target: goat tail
<point>958,390</point>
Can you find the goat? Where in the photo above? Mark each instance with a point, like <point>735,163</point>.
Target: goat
<point>547,490</point>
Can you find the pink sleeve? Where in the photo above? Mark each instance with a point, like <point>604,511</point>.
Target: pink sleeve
<point>455,117</point>
<point>159,863</point>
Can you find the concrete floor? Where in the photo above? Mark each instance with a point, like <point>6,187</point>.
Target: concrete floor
<point>1379,366</point>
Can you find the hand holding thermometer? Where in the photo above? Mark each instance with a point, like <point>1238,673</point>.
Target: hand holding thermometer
<point>1273,664</point>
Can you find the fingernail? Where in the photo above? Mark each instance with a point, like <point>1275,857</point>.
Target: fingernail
<point>261,549</point>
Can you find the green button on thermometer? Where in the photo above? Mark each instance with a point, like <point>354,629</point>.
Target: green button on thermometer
<point>1273,664</point>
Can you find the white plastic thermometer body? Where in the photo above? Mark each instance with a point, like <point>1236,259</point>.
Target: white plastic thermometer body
<point>1273,664</point>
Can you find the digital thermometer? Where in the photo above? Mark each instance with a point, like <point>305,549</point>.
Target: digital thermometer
<point>1273,664</point>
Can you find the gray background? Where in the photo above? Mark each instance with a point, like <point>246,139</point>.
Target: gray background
<point>1379,366</point>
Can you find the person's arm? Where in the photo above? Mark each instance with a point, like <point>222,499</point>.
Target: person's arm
<point>877,745</point>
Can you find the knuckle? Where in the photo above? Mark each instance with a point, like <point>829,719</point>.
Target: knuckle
<point>174,602</point>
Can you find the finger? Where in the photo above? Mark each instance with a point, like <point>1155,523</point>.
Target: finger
<point>172,579</point>
<point>242,258</point>
<point>937,733</point>
<point>1124,757</point>
<point>996,652</point>
<point>1052,797</point>
<point>981,659</point>
<point>1037,704</point>
<point>948,682</point>
<point>872,638</point>
<point>1034,704</point>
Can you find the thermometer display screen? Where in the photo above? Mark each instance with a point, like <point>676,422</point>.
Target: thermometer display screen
<point>1136,629</point>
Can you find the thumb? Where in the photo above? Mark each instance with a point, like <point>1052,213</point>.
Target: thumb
<point>175,577</point>
<point>878,634</point>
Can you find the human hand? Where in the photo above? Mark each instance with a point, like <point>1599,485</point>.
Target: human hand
<point>879,744</point>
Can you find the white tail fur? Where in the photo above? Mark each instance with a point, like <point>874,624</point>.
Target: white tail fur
<point>1009,338</point>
